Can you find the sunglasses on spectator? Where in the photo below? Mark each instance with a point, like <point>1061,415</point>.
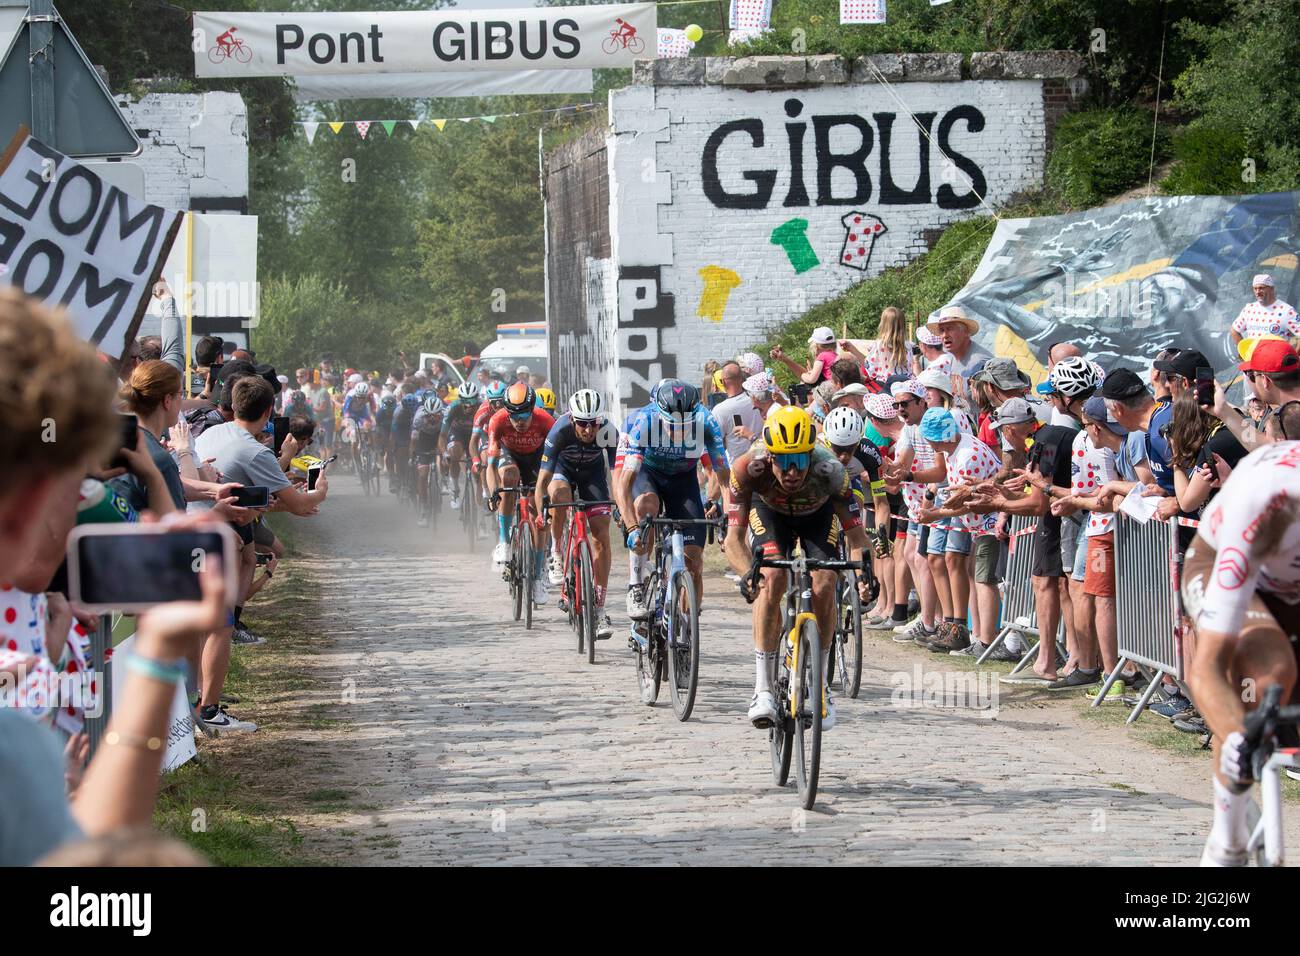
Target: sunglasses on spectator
<point>797,461</point>
<point>900,405</point>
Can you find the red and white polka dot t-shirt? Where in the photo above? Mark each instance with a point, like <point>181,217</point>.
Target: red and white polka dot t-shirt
<point>970,463</point>
<point>1256,320</point>
<point>1092,468</point>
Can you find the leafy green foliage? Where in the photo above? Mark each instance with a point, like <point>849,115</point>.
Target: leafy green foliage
<point>1207,162</point>
<point>308,315</point>
<point>1248,79</point>
<point>1101,153</point>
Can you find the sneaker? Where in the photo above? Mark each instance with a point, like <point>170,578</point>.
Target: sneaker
<point>906,624</point>
<point>1113,696</point>
<point>501,555</point>
<point>1171,707</point>
<point>912,632</point>
<point>938,632</point>
<point>1190,724</point>
<point>636,606</point>
<point>1004,653</point>
<point>555,570</point>
<point>878,623</point>
<point>1215,855</point>
<point>954,638</point>
<point>455,502</point>
<point>973,650</point>
<point>245,638</point>
<point>223,722</point>
<point>1077,678</point>
<point>540,595</point>
<point>828,719</point>
<point>604,626</point>
<point>423,522</point>
<point>913,606</point>
<point>762,710</point>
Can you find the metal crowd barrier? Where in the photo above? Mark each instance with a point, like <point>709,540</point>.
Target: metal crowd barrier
<point>1019,613</point>
<point>101,642</point>
<point>1147,609</point>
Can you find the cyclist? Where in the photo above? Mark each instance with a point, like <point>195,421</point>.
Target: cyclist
<point>842,433</point>
<point>494,399</point>
<point>666,441</point>
<point>546,399</point>
<point>226,41</point>
<point>1241,588</point>
<point>359,415</point>
<point>384,432</point>
<point>789,487</point>
<point>400,455</point>
<point>516,435</point>
<point>426,427</point>
<point>453,446</point>
<point>578,449</point>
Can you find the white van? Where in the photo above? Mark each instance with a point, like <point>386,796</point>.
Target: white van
<point>520,343</point>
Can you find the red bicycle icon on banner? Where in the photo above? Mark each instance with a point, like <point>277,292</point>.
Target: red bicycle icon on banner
<point>229,46</point>
<point>623,37</point>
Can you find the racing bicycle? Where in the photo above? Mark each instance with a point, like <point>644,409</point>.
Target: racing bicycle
<point>1268,760</point>
<point>667,643</point>
<point>844,666</point>
<point>521,569</point>
<point>578,591</point>
<point>800,705</point>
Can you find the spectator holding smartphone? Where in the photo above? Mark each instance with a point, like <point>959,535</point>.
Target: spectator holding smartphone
<point>153,394</point>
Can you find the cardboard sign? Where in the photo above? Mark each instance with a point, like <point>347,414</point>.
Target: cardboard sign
<point>74,241</point>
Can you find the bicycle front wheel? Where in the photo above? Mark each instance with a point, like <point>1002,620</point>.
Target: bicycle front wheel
<point>530,564</point>
<point>848,637</point>
<point>806,690</point>
<point>516,573</point>
<point>587,605</point>
<point>684,651</point>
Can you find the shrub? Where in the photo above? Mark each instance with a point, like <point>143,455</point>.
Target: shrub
<point>1207,162</point>
<point>1101,153</point>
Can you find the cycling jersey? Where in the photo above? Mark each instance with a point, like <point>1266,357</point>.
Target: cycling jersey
<point>402,425</point>
<point>867,461</point>
<point>673,451</point>
<point>754,476</point>
<point>1253,528</point>
<point>502,434</point>
<point>565,452</point>
<point>357,409</point>
<point>460,417</point>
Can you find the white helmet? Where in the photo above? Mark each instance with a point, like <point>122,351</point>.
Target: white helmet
<point>355,378</point>
<point>468,392</point>
<point>1073,376</point>
<point>843,427</point>
<point>433,404</point>
<point>361,390</point>
<point>585,405</point>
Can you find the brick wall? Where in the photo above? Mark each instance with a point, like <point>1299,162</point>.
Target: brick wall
<point>744,191</point>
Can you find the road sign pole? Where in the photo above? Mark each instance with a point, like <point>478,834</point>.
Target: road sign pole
<point>40,22</point>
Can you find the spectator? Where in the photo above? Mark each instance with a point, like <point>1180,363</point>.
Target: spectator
<point>154,396</point>
<point>930,353</point>
<point>761,389</point>
<point>1273,368</point>
<point>821,349</point>
<point>521,374</point>
<point>738,416</point>
<point>1267,315</point>
<point>1198,444</point>
<point>957,329</point>
<point>750,363</point>
<point>853,395</point>
<point>1179,377</point>
<point>844,372</point>
<point>887,356</point>
<point>883,430</point>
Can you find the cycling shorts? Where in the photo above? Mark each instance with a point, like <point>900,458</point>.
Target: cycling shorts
<point>529,465</point>
<point>819,532</point>
<point>679,497</point>
<point>459,436</point>
<point>1265,611</point>
<point>588,484</point>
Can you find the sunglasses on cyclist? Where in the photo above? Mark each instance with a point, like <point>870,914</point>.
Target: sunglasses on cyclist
<point>520,416</point>
<point>797,461</point>
<point>580,423</point>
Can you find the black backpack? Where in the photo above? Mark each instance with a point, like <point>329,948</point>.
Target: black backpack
<point>201,419</point>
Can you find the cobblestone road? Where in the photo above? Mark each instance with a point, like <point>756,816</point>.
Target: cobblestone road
<point>479,742</point>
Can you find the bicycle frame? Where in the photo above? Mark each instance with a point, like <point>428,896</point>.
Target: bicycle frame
<point>1268,834</point>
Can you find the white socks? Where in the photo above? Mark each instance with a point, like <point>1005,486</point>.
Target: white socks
<point>764,664</point>
<point>635,568</point>
<point>826,663</point>
<point>1229,828</point>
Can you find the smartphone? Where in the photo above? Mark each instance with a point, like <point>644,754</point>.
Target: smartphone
<point>130,428</point>
<point>252,496</point>
<point>736,421</point>
<point>281,425</point>
<point>1205,386</point>
<point>132,567</point>
<point>314,472</point>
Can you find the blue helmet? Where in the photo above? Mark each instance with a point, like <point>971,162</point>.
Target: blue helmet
<point>496,392</point>
<point>676,399</point>
<point>411,401</point>
<point>390,401</point>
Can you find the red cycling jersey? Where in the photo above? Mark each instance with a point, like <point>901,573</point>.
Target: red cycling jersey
<point>528,442</point>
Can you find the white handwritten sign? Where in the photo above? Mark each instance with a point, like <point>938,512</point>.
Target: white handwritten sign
<point>70,239</point>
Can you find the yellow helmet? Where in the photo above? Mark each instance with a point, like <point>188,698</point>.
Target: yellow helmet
<point>789,430</point>
<point>546,399</point>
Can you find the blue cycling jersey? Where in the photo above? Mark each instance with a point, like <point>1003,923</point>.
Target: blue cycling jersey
<point>673,451</point>
<point>358,410</point>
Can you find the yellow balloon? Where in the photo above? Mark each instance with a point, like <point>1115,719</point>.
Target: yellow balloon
<point>694,33</point>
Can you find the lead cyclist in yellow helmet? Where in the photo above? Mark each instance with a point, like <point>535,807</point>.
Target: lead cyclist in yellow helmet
<point>787,488</point>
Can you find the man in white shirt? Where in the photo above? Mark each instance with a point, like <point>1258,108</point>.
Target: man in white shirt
<point>1267,315</point>
<point>739,420</point>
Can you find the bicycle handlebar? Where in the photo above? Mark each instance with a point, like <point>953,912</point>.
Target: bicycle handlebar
<point>576,503</point>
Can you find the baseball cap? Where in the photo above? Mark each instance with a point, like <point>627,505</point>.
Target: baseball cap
<point>1272,355</point>
<point>1185,363</point>
<point>926,337</point>
<point>1003,373</point>
<point>760,383</point>
<point>854,388</point>
<point>822,336</point>
<point>1014,411</point>
<point>522,368</point>
<point>1122,383</point>
<point>881,406</point>
<point>1045,387</point>
<point>937,424</point>
<point>1095,408</point>
<point>911,386</point>
<point>933,378</point>
<point>750,363</point>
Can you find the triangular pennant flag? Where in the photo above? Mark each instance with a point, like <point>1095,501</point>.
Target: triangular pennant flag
<point>440,124</point>
<point>336,127</point>
<point>415,124</point>
<point>466,119</point>
<point>489,119</point>
<point>388,126</point>
<point>363,127</point>
<point>310,130</point>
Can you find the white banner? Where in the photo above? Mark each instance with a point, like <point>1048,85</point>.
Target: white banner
<point>428,85</point>
<point>180,731</point>
<point>230,45</point>
<point>70,239</point>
